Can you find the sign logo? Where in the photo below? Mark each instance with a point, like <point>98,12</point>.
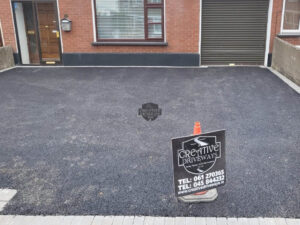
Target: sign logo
<point>198,164</point>
<point>199,154</point>
<point>149,111</point>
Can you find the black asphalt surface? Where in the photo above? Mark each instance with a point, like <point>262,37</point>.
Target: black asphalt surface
<point>71,141</point>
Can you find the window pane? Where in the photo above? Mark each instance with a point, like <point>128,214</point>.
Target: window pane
<point>154,15</point>
<point>154,1</point>
<point>291,15</point>
<point>120,19</point>
<point>154,31</point>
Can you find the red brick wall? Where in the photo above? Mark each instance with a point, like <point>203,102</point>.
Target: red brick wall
<point>276,21</point>
<point>292,40</point>
<point>182,28</point>
<point>6,19</point>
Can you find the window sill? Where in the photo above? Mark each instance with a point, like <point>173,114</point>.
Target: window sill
<point>289,34</point>
<point>115,43</point>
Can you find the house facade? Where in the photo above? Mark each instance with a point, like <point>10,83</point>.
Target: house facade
<point>147,32</point>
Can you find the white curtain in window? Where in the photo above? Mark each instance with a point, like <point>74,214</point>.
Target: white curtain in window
<point>120,19</point>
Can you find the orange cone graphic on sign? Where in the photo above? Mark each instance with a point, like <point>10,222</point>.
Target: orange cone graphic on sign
<point>197,130</point>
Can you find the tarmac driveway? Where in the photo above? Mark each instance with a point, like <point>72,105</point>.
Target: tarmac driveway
<point>71,141</point>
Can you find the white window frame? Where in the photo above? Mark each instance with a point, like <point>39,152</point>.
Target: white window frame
<point>146,39</point>
<point>268,35</point>
<point>59,26</point>
<point>285,31</point>
<point>94,21</point>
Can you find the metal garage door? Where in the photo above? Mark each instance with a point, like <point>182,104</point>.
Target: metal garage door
<point>233,31</point>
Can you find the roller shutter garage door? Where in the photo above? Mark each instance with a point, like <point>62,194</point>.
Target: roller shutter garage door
<point>234,31</point>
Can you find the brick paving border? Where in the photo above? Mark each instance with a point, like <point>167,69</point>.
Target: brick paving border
<point>140,220</point>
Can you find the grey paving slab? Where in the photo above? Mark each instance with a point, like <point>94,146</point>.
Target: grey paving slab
<point>67,220</point>
<point>6,220</point>
<point>232,221</point>
<point>292,221</point>
<point>211,221</point>
<point>190,221</point>
<point>53,220</point>
<point>83,220</point>
<point>72,143</point>
<point>107,220</point>
<point>149,220</point>
<point>97,220</point>
<point>40,220</point>
<point>128,220</point>
<point>269,221</point>
<point>159,220</point>
<point>253,221</point>
<point>242,221</point>
<point>169,221</point>
<point>221,221</point>
<point>280,221</point>
<point>48,220</point>
<point>138,220</point>
<point>22,220</point>
<point>118,220</point>
<point>30,220</point>
<point>200,221</point>
<point>179,220</point>
<point>266,221</point>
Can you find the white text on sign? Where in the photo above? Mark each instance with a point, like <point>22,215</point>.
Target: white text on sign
<point>201,182</point>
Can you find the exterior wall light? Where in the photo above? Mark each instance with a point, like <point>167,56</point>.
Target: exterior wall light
<point>66,24</point>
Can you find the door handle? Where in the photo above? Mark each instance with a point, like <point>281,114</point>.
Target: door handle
<point>56,32</point>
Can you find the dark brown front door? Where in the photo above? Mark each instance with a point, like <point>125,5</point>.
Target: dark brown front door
<point>49,32</point>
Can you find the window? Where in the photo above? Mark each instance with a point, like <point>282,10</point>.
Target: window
<point>291,16</point>
<point>129,20</point>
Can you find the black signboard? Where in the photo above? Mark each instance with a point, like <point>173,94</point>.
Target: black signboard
<point>199,162</point>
